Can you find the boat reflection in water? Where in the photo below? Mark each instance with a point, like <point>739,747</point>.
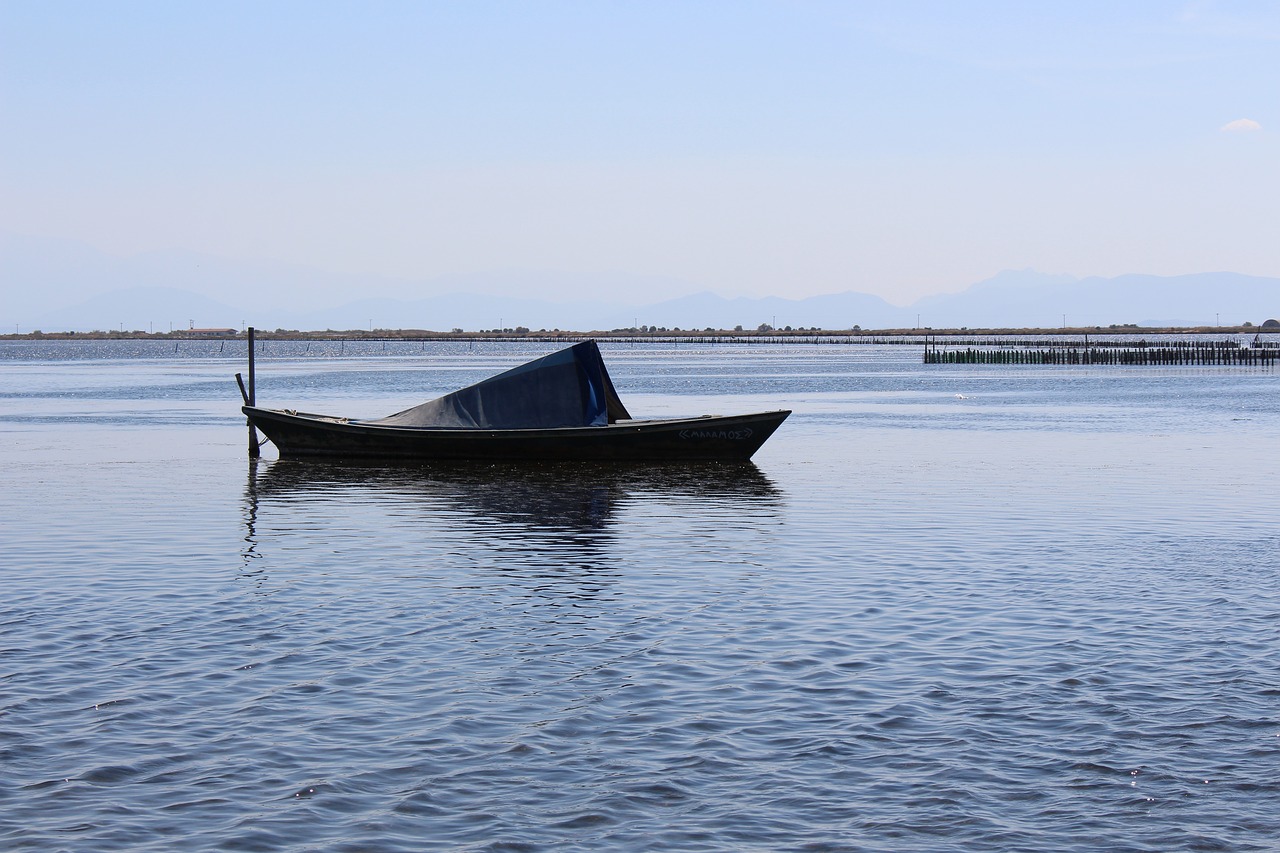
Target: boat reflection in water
<point>514,515</point>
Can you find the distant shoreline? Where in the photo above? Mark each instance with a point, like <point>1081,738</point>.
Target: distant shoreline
<point>638,335</point>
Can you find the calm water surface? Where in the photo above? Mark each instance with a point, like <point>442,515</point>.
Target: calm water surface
<point>946,608</point>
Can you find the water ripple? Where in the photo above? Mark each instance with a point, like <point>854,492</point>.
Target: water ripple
<point>965,638</point>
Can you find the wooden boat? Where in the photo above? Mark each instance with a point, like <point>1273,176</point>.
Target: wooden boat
<point>559,407</point>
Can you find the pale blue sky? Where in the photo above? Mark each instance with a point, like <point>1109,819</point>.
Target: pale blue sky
<point>750,148</point>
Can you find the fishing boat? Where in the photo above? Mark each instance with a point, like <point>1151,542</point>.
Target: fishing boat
<point>562,406</point>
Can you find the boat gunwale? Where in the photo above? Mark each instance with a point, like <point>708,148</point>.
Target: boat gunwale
<point>332,422</point>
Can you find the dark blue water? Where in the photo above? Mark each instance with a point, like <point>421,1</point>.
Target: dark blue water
<point>947,608</point>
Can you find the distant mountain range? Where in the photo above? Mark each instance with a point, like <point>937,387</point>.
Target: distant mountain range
<point>55,285</point>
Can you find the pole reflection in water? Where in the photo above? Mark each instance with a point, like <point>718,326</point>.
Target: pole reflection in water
<point>250,551</point>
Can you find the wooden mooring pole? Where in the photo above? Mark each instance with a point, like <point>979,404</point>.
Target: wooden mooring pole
<point>254,450</point>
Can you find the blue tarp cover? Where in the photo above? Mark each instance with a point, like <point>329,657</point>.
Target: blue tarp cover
<point>569,388</point>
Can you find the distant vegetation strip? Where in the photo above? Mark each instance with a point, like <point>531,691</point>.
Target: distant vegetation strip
<point>1004,337</point>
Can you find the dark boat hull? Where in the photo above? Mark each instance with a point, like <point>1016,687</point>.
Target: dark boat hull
<point>734,437</point>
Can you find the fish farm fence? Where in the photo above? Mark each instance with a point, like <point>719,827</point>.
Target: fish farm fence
<point>1165,353</point>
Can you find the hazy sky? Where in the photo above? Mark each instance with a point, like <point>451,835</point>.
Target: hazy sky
<point>750,148</point>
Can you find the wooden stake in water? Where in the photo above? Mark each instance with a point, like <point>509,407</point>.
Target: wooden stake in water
<point>254,450</point>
